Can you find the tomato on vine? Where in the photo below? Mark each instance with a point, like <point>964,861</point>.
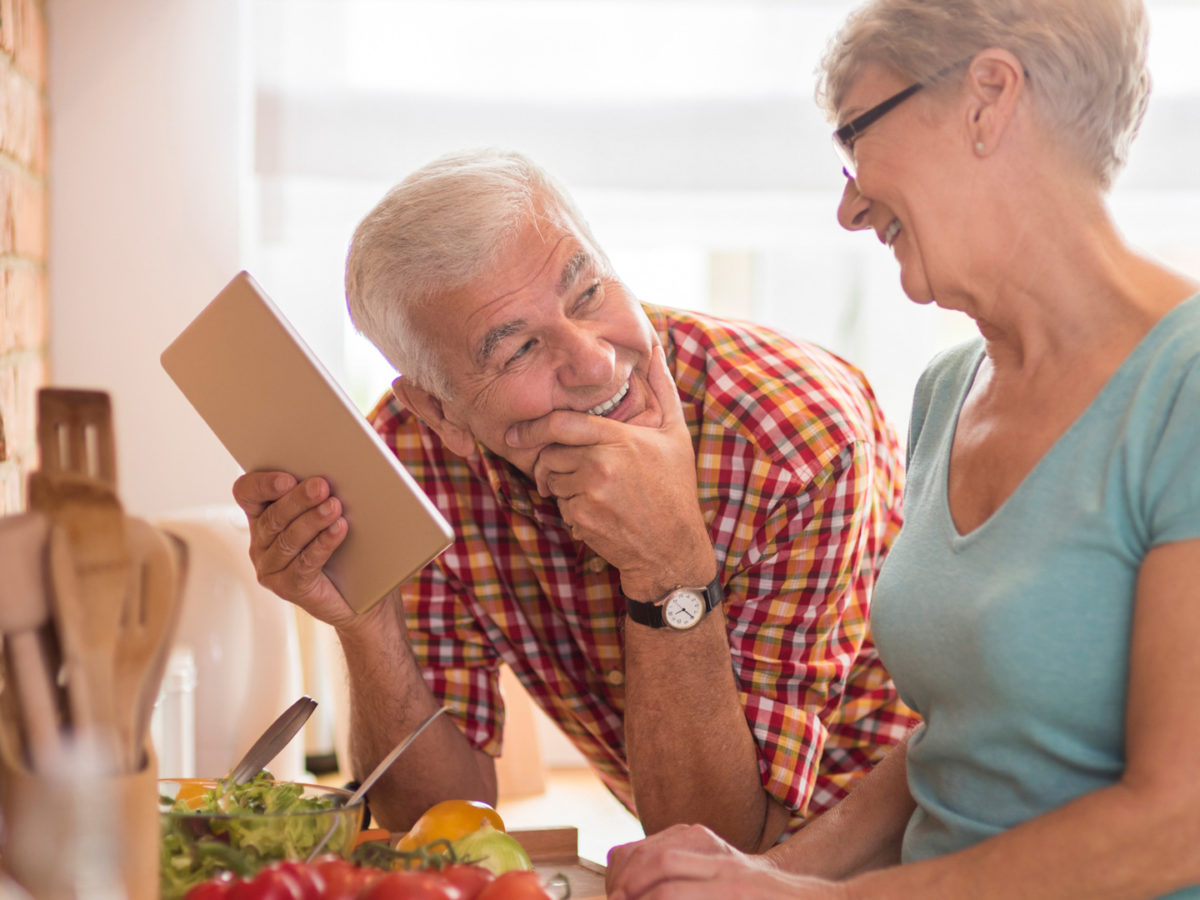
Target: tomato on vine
<point>412,886</point>
<point>516,885</point>
<point>468,879</point>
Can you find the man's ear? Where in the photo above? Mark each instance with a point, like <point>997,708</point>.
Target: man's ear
<point>429,409</point>
<point>996,82</point>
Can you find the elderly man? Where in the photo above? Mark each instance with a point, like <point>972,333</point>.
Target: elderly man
<point>666,524</point>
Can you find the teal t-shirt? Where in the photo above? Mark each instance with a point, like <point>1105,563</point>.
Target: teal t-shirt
<point>1012,641</point>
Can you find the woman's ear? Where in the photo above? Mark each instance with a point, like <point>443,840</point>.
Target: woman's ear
<point>995,83</point>
<point>431,410</point>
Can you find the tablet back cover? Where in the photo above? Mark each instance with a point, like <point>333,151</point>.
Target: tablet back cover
<point>275,407</point>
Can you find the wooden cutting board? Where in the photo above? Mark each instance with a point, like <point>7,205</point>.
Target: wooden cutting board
<point>556,850</point>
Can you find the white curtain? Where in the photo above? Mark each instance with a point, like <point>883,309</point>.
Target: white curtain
<point>686,129</point>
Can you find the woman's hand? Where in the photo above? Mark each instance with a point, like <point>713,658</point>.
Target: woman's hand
<point>689,861</point>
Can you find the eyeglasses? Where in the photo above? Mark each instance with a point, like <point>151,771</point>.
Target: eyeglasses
<point>844,137</point>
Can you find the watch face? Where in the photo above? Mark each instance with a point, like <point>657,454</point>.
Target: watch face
<point>683,609</point>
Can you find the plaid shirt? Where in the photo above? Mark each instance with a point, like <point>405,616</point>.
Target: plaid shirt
<point>799,479</point>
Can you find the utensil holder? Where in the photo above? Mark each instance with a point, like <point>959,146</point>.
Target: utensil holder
<point>76,834</point>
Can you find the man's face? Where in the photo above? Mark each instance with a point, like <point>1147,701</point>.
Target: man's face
<point>548,327</point>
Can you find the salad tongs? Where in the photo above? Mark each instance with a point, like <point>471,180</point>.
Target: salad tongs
<point>383,766</point>
<point>274,739</point>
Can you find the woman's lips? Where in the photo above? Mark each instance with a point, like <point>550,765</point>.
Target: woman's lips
<point>889,233</point>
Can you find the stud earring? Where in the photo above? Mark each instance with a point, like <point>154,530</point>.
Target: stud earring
<point>979,148</point>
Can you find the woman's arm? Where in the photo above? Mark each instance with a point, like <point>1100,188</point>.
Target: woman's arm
<point>860,833</point>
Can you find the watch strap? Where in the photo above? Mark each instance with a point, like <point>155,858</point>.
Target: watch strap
<point>650,613</point>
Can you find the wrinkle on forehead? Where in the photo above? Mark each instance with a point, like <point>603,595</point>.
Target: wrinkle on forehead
<point>487,345</point>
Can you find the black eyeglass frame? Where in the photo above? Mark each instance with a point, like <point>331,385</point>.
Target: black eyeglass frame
<point>843,138</point>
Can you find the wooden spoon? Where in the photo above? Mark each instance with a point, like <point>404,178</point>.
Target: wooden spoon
<point>24,614</point>
<point>76,488</point>
<point>147,629</point>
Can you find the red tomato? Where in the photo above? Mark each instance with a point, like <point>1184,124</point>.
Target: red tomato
<point>266,885</point>
<point>342,879</point>
<point>468,879</point>
<point>305,882</point>
<point>516,885</point>
<point>209,890</point>
<point>412,886</point>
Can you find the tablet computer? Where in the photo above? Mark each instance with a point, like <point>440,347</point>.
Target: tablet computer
<point>273,405</point>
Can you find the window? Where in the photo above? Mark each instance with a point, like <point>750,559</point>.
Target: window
<point>686,130</point>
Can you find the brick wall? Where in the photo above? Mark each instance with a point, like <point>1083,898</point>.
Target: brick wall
<point>23,240</point>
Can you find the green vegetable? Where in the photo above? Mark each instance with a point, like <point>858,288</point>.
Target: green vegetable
<point>493,849</point>
<point>240,828</point>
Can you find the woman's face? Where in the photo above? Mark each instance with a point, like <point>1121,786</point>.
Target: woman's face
<point>904,183</point>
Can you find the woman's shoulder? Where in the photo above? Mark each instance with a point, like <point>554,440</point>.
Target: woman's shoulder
<point>1166,364</point>
<point>1178,332</point>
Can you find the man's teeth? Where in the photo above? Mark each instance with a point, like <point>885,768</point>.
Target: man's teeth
<point>893,229</point>
<point>609,405</point>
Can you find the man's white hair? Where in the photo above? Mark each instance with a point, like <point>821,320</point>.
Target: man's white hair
<point>439,230</point>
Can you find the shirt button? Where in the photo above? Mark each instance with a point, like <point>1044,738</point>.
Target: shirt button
<point>615,677</point>
<point>595,565</point>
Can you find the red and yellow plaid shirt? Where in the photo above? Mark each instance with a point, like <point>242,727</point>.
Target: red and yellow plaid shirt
<point>799,479</point>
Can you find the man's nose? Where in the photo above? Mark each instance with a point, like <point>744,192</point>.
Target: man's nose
<point>585,358</point>
<point>853,208</point>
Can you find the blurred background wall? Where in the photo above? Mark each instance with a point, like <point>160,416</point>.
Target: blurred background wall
<point>192,138</point>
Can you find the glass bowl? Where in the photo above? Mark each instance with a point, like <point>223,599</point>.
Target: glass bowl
<point>200,842</point>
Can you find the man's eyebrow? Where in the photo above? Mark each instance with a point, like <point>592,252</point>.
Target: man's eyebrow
<point>578,260</point>
<point>492,339</point>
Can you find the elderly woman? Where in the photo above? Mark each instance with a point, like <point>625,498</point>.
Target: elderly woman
<point>1041,607</point>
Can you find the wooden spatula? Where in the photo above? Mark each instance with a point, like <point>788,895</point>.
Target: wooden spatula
<point>24,620</point>
<point>152,609</point>
<point>76,488</point>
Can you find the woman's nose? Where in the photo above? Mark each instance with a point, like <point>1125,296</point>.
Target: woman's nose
<point>853,208</point>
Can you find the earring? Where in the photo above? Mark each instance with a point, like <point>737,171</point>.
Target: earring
<point>979,148</point>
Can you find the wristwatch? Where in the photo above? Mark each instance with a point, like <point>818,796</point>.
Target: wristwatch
<point>681,609</point>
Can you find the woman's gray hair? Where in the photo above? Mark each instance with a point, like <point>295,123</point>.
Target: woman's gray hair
<point>436,231</point>
<point>1085,60</point>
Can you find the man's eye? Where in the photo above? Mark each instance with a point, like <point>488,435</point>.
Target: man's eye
<point>521,351</point>
<point>594,292</point>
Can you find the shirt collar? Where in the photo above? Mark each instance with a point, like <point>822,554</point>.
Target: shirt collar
<point>512,487</point>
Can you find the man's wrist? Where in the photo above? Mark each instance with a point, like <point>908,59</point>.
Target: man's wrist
<point>651,587</point>
<point>681,609</point>
<point>383,624</point>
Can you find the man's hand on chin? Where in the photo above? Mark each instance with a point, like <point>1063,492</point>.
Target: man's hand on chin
<point>627,491</point>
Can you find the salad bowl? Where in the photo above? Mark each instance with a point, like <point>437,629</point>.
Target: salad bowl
<point>213,826</point>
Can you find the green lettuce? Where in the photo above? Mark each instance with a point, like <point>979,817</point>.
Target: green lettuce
<point>240,828</point>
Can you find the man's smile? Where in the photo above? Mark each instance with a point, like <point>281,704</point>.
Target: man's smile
<point>603,409</point>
